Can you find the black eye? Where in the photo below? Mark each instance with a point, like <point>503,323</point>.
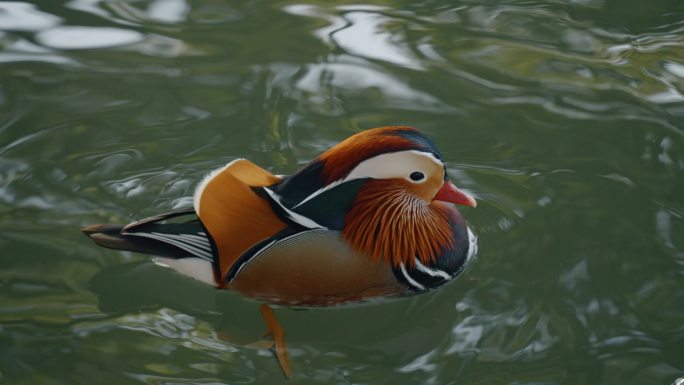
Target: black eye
<point>417,176</point>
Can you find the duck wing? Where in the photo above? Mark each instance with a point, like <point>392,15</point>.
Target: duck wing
<point>235,216</point>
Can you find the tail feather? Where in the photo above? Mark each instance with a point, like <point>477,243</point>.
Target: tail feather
<point>112,241</point>
<point>109,236</point>
<point>157,236</point>
<point>127,242</point>
<point>177,239</point>
<point>106,229</point>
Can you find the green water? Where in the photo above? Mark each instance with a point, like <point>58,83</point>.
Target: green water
<point>565,118</point>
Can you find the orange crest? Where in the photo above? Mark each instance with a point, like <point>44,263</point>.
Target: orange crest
<point>340,160</point>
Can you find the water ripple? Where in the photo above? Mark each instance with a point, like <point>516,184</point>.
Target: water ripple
<point>564,118</point>
<point>87,37</point>
<point>20,16</point>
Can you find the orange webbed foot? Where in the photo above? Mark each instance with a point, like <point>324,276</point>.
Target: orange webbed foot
<point>278,334</point>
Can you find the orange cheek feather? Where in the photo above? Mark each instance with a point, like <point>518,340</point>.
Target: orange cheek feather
<point>389,224</point>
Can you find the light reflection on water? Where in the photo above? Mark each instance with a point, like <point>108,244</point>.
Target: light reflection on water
<point>87,37</point>
<point>564,119</point>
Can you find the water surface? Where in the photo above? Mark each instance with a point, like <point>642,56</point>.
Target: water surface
<point>565,118</point>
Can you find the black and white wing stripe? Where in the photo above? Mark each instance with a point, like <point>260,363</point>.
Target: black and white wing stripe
<point>290,214</point>
<point>177,234</point>
<point>283,238</point>
<point>197,244</point>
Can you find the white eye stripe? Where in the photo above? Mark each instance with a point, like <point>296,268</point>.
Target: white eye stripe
<point>385,166</point>
<point>395,165</point>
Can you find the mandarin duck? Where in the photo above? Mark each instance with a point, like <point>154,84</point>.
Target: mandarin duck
<point>371,217</point>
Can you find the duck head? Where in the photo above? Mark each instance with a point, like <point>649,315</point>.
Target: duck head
<point>385,189</point>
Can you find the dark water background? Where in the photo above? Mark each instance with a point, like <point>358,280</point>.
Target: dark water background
<point>566,118</point>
